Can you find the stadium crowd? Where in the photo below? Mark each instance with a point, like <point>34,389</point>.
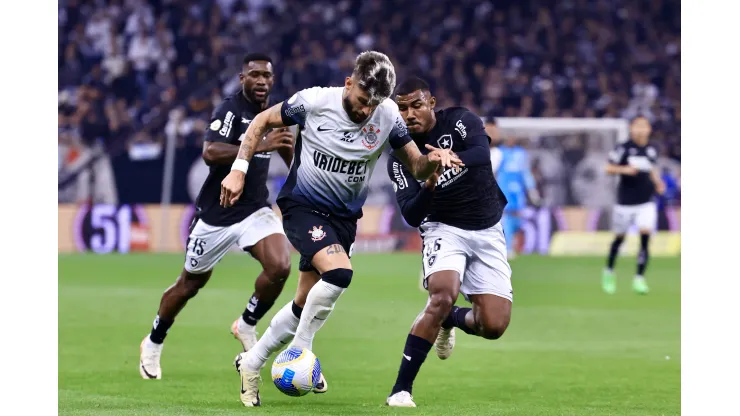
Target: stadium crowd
<point>133,73</point>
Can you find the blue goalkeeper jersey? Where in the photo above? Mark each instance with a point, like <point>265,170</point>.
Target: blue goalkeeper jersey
<point>514,176</point>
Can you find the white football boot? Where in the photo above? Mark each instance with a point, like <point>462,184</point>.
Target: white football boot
<point>149,359</point>
<point>400,399</point>
<point>321,386</point>
<point>444,343</point>
<point>250,389</point>
<point>246,334</point>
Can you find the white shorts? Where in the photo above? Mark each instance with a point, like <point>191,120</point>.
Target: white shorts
<point>208,244</point>
<point>479,257</point>
<point>643,217</point>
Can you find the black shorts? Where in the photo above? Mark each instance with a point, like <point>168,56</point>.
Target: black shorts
<point>310,231</point>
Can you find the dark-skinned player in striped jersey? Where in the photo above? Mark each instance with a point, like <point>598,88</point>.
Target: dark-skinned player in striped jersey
<point>458,212</point>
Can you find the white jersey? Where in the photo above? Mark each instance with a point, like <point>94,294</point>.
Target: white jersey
<point>334,156</point>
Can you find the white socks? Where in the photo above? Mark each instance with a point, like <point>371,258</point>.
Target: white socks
<point>319,304</point>
<point>281,331</point>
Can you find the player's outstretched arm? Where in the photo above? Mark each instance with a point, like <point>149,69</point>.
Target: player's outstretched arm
<point>423,166</point>
<point>413,199</point>
<point>219,153</point>
<point>233,184</point>
<point>264,121</point>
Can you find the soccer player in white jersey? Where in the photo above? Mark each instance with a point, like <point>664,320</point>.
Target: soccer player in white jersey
<point>343,131</point>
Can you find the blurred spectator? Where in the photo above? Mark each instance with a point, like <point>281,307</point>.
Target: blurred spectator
<point>526,58</point>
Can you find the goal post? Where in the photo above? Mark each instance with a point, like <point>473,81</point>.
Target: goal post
<point>551,125</point>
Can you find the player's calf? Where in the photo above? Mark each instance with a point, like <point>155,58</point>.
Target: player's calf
<point>443,288</point>
<point>173,300</point>
<point>639,285</point>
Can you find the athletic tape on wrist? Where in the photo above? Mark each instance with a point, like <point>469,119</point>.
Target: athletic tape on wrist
<point>240,164</point>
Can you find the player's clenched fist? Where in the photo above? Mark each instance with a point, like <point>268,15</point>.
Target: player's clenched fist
<point>443,157</point>
<point>231,188</point>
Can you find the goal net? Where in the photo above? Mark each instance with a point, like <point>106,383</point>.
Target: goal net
<point>567,156</point>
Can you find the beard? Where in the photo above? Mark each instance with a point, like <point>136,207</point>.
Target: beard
<point>355,117</point>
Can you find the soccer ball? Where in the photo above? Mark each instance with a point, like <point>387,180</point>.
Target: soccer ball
<point>296,371</point>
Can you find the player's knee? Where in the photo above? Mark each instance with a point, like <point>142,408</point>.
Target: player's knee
<point>278,271</point>
<point>440,304</point>
<point>492,328</point>
<point>338,277</point>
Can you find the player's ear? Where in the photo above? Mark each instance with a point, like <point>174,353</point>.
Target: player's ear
<point>432,102</point>
<point>348,83</point>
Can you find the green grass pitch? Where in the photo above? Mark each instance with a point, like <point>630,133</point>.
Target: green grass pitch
<point>569,350</point>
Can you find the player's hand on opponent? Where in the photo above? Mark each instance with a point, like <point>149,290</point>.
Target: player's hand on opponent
<point>275,140</point>
<point>443,157</point>
<point>231,188</point>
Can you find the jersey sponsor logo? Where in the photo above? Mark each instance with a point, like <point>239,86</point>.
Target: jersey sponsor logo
<point>460,127</point>
<point>370,136</point>
<point>215,125</point>
<point>356,169</point>
<point>290,112</point>
<point>398,177</point>
<point>226,129</point>
<point>317,234</point>
<point>450,176</point>
<point>445,141</point>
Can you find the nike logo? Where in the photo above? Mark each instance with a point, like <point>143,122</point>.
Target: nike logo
<point>146,372</point>
<point>320,129</point>
<point>406,357</point>
<point>244,120</point>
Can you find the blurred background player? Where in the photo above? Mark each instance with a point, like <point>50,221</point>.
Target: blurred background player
<point>639,179</point>
<point>458,212</point>
<point>514,176</point>
<point>343,131</point>
<point>250,224</point>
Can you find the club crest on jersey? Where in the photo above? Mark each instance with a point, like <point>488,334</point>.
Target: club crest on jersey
<point>370,136</point>
<point>317,234</point>
<point>445,141</point>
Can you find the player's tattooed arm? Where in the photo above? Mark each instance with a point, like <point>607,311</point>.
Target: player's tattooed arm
<point>232,186</point>
<point>264,121</point>
<point>423,166</point>
<point>220,153</point>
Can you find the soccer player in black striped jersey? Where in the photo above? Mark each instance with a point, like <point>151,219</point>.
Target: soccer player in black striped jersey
<point>634,161</point>
<point>250,224</point>
<point>458,212</point>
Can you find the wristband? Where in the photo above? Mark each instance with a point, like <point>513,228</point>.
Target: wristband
<point>241,165</point>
